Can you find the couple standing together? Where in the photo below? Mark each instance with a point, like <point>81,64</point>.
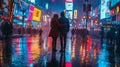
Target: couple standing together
<point>59,27</point>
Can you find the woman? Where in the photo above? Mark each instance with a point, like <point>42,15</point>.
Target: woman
<point>54,32</point>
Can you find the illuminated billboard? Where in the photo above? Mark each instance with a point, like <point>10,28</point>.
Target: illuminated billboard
<point>69,6</point>
<point>31,10</point>
<point>114,2</point>
<point>105,11</point>
<point>75,14</point>
<point>18,11</point>
<point>37,14</point>
<point>69,14</point>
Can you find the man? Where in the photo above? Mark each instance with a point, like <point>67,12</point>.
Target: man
<point>63,30</point>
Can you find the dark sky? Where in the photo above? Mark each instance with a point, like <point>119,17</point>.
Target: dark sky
<point>59,5</point>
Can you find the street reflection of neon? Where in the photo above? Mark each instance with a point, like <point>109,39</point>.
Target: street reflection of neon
<point>95,53</point>
<point>68,64</point>
<point>82,58</point>
<point>68,52</point>
<point>29,43</point>
<point>87,57</point>
<point>89,44</point>
<point>31,65</point>
<point>68,57</point>
<point>82,53</point>
<point>102,61</point>
<point>73,48</point>
<point>16,45</point>
<point>35,48</point>
<point>1,54</point>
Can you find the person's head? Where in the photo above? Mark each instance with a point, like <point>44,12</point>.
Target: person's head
<point>62,14</point>
<point>55,16</point>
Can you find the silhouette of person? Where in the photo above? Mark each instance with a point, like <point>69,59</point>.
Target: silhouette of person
<point>118,42</point>
<point>40,34</point>
<point>6,28</point>
<point>112,35</point>
<point>7,51</point>
<point>62,59</point>
<point>102,34</point>
<point>54,33</point>
<point>40,31</point>
<point>63,31</point>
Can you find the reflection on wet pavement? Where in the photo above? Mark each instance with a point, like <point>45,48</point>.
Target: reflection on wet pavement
<point>28,52</point>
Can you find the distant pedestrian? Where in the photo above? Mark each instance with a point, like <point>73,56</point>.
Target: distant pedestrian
<point>40,35</point>
<point>102,33</point>
<point>84,33</point>
<point>63,31</point>
<point>54,33</point>
<point>118,41</point>
<point>40,32</point>
<point>73,32</point>
<point>6,28</point>
<point>7,51</point>
<point>111,35</point>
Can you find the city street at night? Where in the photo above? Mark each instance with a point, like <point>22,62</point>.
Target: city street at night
<point>59,33</point>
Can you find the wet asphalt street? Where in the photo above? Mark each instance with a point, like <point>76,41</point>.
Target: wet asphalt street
<point>30,51</point>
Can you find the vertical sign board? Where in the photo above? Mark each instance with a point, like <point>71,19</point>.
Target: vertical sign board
<point>75,14</point>
<point>105,11</point>
<point>69,14</point>
<point>37,14</point>
<point>69,6</point>
<point>31,10</point>
<point>69,10</point>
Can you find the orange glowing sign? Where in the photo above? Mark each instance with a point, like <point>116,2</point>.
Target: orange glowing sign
<point>118,8</point>
<point>37,14</point>
<point>75,14</point>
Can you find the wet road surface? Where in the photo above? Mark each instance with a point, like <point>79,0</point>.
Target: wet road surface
<point>30,51</point>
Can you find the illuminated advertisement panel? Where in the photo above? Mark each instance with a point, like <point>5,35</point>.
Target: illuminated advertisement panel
<point>31,10</point>
<point>69,14</point>
<point>118,9</point>
<point>69,6</point>
<point>75,14</point>
<point>69,0</point>
<point>114,2</point>
<point>105,11</point>
<point>37,15</point>
<point>18,11</point>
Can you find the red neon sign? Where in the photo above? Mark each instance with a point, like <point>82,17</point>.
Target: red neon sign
<point>112,12</point>
<point>69,0</point>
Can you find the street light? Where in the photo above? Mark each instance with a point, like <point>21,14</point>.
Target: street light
<point>86,8</point>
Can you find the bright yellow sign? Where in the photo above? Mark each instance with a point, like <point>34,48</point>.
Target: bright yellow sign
<point>118,9</point>
<point>75,14</point>
<point>37,15</point>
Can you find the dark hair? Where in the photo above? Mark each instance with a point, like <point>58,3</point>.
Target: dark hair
<point>55,16</point>
<point>62,14</point>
